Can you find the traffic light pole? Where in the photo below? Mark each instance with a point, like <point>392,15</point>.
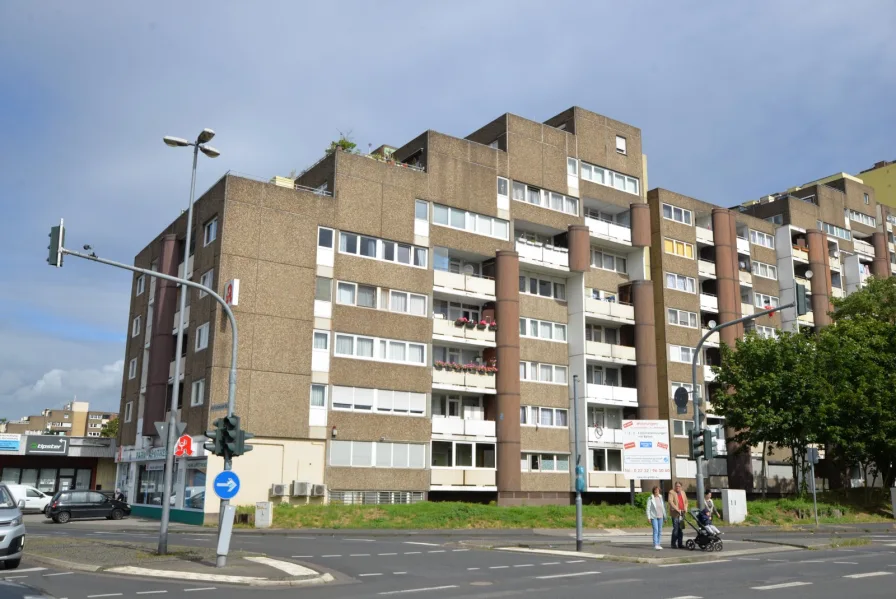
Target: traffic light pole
<point>231,391</point>
<point>696,389</point>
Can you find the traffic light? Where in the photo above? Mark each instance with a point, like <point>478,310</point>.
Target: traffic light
<point>697,441</point>
<point>231,434</point>
<point>802,300</point>
<point>57,242</point>
<point>708,444</point>
<point>242,437</point>
<point>215,443</point>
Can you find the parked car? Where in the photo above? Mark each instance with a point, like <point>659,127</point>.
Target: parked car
<point>12,529</point>
<point>188,493</point>
<point>35,499</point>
<point>68,505</point>
<point>14,590</point>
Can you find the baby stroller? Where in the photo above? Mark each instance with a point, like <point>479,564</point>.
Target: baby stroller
<point>705,540</point>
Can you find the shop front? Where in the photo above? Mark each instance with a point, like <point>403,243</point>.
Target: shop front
<point>53,463</point>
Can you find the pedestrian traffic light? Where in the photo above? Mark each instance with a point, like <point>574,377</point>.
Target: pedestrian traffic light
<point>802,300</point>
<point>57,242</point>
<point>697,441</point>
<point>215,443</point>
<point>708,444</point>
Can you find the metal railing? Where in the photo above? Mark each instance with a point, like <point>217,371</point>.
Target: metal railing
<point>296,186</point>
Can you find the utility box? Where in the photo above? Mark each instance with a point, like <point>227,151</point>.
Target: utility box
<point>264,514</point>
<point>734,505</point>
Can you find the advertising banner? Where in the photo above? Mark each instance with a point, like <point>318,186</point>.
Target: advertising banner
<point>645,450</point>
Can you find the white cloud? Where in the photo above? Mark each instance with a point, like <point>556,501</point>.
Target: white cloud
<point>59,386</point>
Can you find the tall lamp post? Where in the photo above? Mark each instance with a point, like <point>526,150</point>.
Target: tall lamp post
<point>199,145</point>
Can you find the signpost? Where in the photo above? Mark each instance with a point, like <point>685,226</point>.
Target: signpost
<point>227,484</point>
<point>681,400</point>
<point>812,458</point>
<point>645,450</point>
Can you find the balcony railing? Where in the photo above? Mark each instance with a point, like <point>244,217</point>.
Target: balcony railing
<point>614,311</point>
<point>449,329</point>
<point>457,477</point>
<point>834,262</point>
<point>607,480</point>
<point>176,322</point>
<point>746,278</point>
<point>604,435</point>
<point>610,353</point>
<point>457,426</point>
<point>610,231</point>
<point>863,247</point>
<point>171,369</point>
<point>800,253</point>
<point>708,375</point>
<point>706,268</point>
<point>610,394</point>
<point>464,284</point>
<point>837,292</point>
<point>180,268</point>
<point>709,302</point>
<point>712,339</point>
<point>705,235</point>
<point>453,379</point>
<point>743,246</point>
<point>548,255</point>
<point>746,309</point>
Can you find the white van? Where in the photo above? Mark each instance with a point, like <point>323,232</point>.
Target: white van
<point>35,500</point>
<point>12,529</point>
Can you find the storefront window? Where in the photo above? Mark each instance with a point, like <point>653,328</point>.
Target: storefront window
<point>29,477</point>
<point>82,479</point>
<point>194,485</point>
<point>46,480</point>
<point>11,475</point>
<point>150,483</point>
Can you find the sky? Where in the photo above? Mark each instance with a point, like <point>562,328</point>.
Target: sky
<point>734,99</point>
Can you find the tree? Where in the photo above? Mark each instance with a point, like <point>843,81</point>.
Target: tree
<point>343,143</point>
<point>110,429</point>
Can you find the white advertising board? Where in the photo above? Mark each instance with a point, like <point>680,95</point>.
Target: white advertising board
<point>645,450</point>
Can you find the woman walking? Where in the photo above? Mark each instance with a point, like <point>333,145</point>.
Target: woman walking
<point>656,515</point>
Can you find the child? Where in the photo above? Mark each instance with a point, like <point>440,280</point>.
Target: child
<point>705,520</point>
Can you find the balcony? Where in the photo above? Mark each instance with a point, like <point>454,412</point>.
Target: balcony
<point>705,236</point>
<point>609,311</point>
<point>863,248</point>
<point>608,231</point>
<point>834,262</point>
<point>800,254</point>
<point>708,375</point>
<point>712,339</point>
<point>605,480</point>
<point>746,278</point>
<point>605,352</point>
<point>706,269</point>
<point>457,477</point>
<point>612,395</point>
<point>743,246</point>
<point>171,370</point>
<point>837,292</point>
<point>746,309</point>
<point>460,427</point>
<point>606,436</point>
<point>465,285</point>
<point>454,380</point>
<point>709,303</point>
<point>548,256</point>
<point>447,330</point>
<point>807,319</point>
<point>177,320</point>
<point>180,268</point>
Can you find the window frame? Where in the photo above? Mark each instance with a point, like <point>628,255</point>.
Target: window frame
<point>675,354</point>
<point>686,427</point>
<point>132,369</point>
<point>542,279</point>
<point>678,313</point>
<point>623,147</point>
<point>687,216</point>
<point>202,332</point>
<point>544,198</point>
<point>332,233</point>
<point>529,366</point>
<point>688,280</point>
<point>616,258</point>
<point>382,248</point>
<point>378,345</point>
<point>136,326</point>
<point>471,218</point>
<point>605,451</point>
<point>685,246</point>
<point>553,325</point>
<point>756,238</point>
<point>210,283</point>
<point>756,269</point>
<point>757,296</point>
<point>209,231</point>
<point>378,403</point>
<point>533,416</point>
<point>374,458</point>
<point>200,383</point>
<point>608,178</point>
<point>140,285</point>
<point>526,456</point>
<point>128,411</point>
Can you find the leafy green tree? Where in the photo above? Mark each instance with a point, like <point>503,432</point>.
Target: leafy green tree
<point>343,143</point>
<point>110,429</point>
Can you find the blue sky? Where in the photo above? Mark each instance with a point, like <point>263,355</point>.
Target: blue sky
<point>734,99</point>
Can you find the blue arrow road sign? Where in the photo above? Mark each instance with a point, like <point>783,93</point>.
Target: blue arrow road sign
<point>227,485</point>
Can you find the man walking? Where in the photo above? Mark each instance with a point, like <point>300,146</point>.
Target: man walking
<point>678,505</point>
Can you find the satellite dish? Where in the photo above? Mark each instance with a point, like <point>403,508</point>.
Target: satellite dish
<point>468,269</point>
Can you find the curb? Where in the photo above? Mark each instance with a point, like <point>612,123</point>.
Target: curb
<point>60,563</point>
<point>691,558</point>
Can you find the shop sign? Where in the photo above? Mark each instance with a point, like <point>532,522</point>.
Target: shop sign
<point>46,445</point>
<point>10,442</point>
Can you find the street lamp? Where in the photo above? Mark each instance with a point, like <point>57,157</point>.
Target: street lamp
<point>199,145</point>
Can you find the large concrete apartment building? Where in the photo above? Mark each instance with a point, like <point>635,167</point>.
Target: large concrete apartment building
<point>75,419</point>
<point>411,322</point>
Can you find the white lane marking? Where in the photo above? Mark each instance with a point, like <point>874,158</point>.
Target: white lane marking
<point>372,574</point>
<point>14,577</point>
<point>498,567</point>
<point>302,556</point>
<point>524,565</point>
<point>359,555</point>
<point>106,595</point>
<point>420,543</point>
<point>868,574</point>
<point>151,592</point>
<point>284,566</point>
<point>360,540</point>
<point>387,554</point>
<point>575,561</point>
<point>413,552</point>
<point>458,550</point>
<point>397,573</point>
<point>549,563</point>
<point>450,586</point>
<point>715,561</point>
<point>20,570</point>
<point>777,560</point>
<point>302,538</point>
<point>688,597</point>
<point>848,563</point>
<point>749,559</point>
<point>812,561</point>
<point>783,585</point>
<point>891,544</point>
<point>437,551</point>
<point>566,575</point>
<point>201,589</point>
<point>472,568</point>
<point>59,574</point>
<point>847,550</point>
<point>331,555</point>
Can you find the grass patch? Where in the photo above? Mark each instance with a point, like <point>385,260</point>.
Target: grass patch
<point>831,510</point>
<point>851,542</point>
<point>100,552</point>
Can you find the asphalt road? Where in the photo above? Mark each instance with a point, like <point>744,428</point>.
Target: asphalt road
<point>440,567</point>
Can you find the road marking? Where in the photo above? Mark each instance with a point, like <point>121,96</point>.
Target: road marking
<point>848,563</point>
<point>13,577</point>
<point>498,567</point>
<point>397,573</point>
<point>437,551</point>
<point>106,595</point>
<point>20,570</point>
<point>302,538</point>
<point>458,550</point>
<point>783,585</point>
<point>373,574</point>
<point>566,575</point>
<point>867,574</point>
<point>387,554</point>
<point>420,543</point>
<point>575,561</point>
<point>59,574</point>
<point>472,568</point>
<point>549,563</point>
<point>359,555</point>
<point>302,556</point>
<point>749,559</point>
<point>151,592</point>
<point>361,540</point>
<point>201,589</point>
<point>715,561</point>
<point>812,561</point>
<point>332,555</point>
<point>847,550</point>
<point>777,560</point>
<point>688,597</point>
<point>523,565</point>
<point>450,586</point>
<point>413,552</point>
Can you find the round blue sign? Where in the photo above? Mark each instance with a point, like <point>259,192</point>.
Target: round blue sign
<point>227,484</point>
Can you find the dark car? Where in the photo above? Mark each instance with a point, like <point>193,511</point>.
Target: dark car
<point>14,590</point>
<point>66,505</point>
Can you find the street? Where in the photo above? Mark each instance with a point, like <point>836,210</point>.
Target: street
<point>440,566</point>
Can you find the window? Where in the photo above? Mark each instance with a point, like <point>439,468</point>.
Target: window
<point>620,144</point>
<point>353,294</point>
<point>407,303</point>
<point>679,215</point>
<point>777,219</point>
<point>325,238</point>
<point>681,283</point>
<point>682,428</point>
<point>201,337</point>
<point>541,329</point>
<point>602,375</point>
<point>537,416</point>
<point>835,231</point>
<point>135,326</point>
<point>859,217</point>
<point>450,454</point>
<point>207,279</point>
<point>471,222</point>
<point>455,310</point>
<point>761,300</point>
<point>606,261</point>
<point>211,231</point>
<point>766,332</point>
<point>604,176</point>
<point>140,284</point>
<point>682,318</point>
<point>546,199</point>
<point>366,454</point>
<point>572,167</point>
<point>606,460</point>
<point>380,249</point>
<point>323,289</point>
<point>543,286</point>
<point>601,334</point>
<point>760,269</point>
<point>544,462</point>
<point>128,411</point>
<point>867,199</point>
<point>197,392</point>
<point>321,340</point>
<point>678,248</point>
<point>385,401</point>
<point>763,239</point>
<point>503,186</point>
<point>421,210</point>
<point>543,373</point>
<point>688,387</point>
<point>385,350</point>
<point>680,353</point>
<point>132,369</point>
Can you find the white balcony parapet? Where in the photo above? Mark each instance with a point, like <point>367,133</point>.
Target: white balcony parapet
<point>807,319</point>
<point>464,284</point>
<point>712,339</point>
<point>180,268</point>
<point>800,254</point>
<point>171,370</point>
<point>459,427</point>
<point>746,309</point>
<point>705,235</point>
<point>705,268</point>
<point>461,477</point>
<point>709,303</point>
<point>863,247</point>
<point>835,262</point>
<point>177,320</point>
<point>837,292</point>
<point>546,255</point>
<point>453,380</point>
<point>612,311</point>
<point>743,246</point>
<point>448,330</point>
<point>746,278</point>
<point>610,231</point>
<point>604,436</point>
<point>608,480</point>
<point>609,394</point>
<point>708,375</point>
<point>606,352</point>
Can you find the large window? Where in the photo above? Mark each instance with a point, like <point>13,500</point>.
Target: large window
<point>381,249</point>
<point>860,217</point>
<point>544,462</point>
<point>762,300</point>
<point>603,375</point>
<point>374,348</point>
<point>471,222</point>
<point>766,332</point>
<point>201,337</point>
<point>607,261</point>
<point>777,219</point>
<point>538,416</point>
<point>384,401</point>
<point>679,215</point>
<point>352,294</point>
<point>405,302</point>
<point>601,334</point>
<point>543,373</point>
<point>543,286</point>
<point>606,460</point>
<point>368,454</point>
<point>604,176</point>
<point>835,230</point>
<point>767,271</point>
<point>197,393</point>
<point>454,310</point>
<point>546,199</point>
<point>682,318</point>
<point>542,329</point>
<point>678,248</point>
<point>682,428</point>
<point>681,283</point>
<point>680,353</point>
<point>763,239</point>
<point>456,454</point>
<point>140,285</point>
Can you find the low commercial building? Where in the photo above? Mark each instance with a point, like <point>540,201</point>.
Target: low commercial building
<point>57,463</point>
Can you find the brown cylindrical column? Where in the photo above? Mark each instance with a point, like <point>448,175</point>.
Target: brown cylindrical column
<point>640,220</point>
<point>645,357</point>
<point>727,280</point>
<point>821,300</point>
<point>507,383</point>
<point>880,268</point>
<point>579,248</point>
<point>735,266</point>
<point>161,346</point>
